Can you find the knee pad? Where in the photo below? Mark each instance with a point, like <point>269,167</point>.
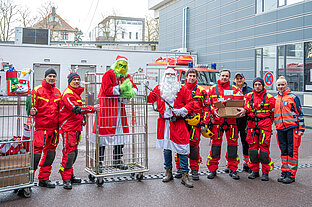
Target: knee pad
<point>70,160</point>
<point>264,157</point>
<point>49,159</point>
<point>193,153</point>
<point>37,158</point>
<point>232,151</point>
<point>215,151</point>
<point>253,156</point>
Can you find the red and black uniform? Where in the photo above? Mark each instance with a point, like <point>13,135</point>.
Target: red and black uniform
<point>71,118</point>
<point>47,100</point>
<point>259,108</point>
<point>201,103</point>
<point>221,125</point>
<point>288,118</point>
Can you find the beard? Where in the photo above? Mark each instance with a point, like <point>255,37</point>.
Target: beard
<point>169,88</point>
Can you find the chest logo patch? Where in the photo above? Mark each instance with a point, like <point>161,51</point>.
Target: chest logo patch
<point>285,103</point>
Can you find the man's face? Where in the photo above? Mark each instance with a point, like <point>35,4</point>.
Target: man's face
<point>50,79</point>
<point>281,86</point>
<point>75,83</point>
<point>121,66</point>
<point>239,80</point>
<point>191,78</point>
<point>224,76</point>
<point>258,86</point>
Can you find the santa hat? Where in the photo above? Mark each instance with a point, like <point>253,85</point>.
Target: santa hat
<point>170,70</point>
<point>121,58</point>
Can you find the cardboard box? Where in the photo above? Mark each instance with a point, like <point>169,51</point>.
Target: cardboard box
<point>14,170</point>
<point>228,109</point>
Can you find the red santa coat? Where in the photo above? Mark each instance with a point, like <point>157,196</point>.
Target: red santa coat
<point>178,138</point>
<point>110,104</point>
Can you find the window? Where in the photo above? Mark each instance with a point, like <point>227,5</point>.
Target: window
<point>130,35</point>
<point>281,61</point>
<point>294,66</point>
<point>259,72</point>
<point>281,2</point>
<point>136,35</point>
<point>65,35</point>
<point>269,63</point>
<point>308,66</point>
<point>269,5</point>
<point>123,35</point>
<point>293,1</point>
<point>259,6</point>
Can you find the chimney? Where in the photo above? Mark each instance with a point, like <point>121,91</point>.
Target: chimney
<point>53,11</point>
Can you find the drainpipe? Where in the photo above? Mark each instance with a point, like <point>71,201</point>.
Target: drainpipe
<point>184,29</point>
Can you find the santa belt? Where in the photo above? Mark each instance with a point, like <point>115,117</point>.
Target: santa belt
<point>173,118</point>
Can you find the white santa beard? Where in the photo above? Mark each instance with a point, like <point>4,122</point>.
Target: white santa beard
<point>169,88</point>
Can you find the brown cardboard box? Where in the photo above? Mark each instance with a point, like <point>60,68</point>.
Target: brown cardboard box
<point>14,170</point>
<point>229,108</point>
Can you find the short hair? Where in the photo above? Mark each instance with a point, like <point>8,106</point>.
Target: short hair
<point>225,70</point>
<point>192,70</point>
<point>282,78</point>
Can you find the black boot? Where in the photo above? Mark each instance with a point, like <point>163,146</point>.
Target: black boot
<point>195,175</point>
<point>283,176</point>
<point>265,177</point>
<point>253,175</point>
<point>234,175</point>
<point>246,169</point>
<point>288,179</point>
<point>73,179</point>
<point>178,174</point>
<point>120,164</point>
<point>226,170</point>
<point>67,184</point>
<point>46,183</point>
<point>211,174</point>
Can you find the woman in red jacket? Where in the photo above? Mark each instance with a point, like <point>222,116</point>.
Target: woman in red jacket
<point>289,122</point>
<point>71,126</point>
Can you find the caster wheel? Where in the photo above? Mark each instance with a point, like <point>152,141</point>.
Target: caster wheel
<point>139,176</point>
<point>27,192</point>
<point>99,182</point>
<point>91,178</point>
<point>132,175</point>
<point>15,191</point>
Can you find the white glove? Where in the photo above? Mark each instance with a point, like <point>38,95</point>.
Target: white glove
<point>180,112</point>
<point>116,90</point>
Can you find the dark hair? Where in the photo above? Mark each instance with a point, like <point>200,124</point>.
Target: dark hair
<point>225,70</point>
<point>192,70</point>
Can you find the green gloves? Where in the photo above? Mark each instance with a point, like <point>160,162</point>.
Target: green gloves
<point>126,89</point>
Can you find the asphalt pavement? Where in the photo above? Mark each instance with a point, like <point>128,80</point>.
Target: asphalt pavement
<point>151,191</point>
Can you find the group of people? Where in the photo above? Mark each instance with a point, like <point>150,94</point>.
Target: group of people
<point>179,105</point>
<point>186,111</point>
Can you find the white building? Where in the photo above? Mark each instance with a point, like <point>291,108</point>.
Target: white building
<point>117,28</point>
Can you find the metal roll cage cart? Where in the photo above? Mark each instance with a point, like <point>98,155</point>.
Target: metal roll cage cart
<point>125,151</point>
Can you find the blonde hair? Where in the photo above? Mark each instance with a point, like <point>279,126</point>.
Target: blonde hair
<point>282,78</point>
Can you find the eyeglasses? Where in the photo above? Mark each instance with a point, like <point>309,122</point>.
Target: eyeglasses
<point>122,66</point>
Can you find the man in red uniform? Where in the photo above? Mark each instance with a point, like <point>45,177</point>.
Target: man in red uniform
<point>172,133</point>
<point>289,122</point>
<point>259,108</point>
<point>200,117</point>
<point>116,90</point>
<point>46,109</point>
<point>71,118</point>
<point>222,91</point>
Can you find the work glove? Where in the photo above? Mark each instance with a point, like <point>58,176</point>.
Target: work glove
<point>180,112</point>
<point>129,94</point>
<point>125,86</point>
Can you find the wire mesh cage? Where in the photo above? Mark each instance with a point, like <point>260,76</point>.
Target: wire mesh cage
<point>116,137</point>
<point>16,145</point>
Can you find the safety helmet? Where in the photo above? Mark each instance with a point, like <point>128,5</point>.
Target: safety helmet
<point>193,120</point>
<point>207,133</point>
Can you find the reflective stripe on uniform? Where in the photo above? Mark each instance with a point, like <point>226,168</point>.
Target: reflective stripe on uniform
<point>285,114</point>
<point>70,102</point>
<point>285,120</point>
<point>39,97</point>
<point>58,99</point>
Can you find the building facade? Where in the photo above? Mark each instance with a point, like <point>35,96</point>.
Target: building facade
<point>250,36</point>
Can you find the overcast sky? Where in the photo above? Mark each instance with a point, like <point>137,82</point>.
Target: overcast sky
<point>86,14</point>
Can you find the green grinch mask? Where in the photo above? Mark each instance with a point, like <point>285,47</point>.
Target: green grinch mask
<point>121,68</point>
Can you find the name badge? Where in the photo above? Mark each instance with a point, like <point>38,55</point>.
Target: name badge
<point>228,92</point>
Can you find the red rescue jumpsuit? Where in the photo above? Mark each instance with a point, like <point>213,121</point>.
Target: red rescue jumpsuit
<point>259,108</point>
<point>288,118</point>
<point>47,100</point>
<point>201,101</point>
<point>70,128</point>
<point>221,125</point>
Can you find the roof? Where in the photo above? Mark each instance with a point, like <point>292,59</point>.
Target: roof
<point>62,24</point>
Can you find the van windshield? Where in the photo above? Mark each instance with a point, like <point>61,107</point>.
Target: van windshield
<point>204,78</point>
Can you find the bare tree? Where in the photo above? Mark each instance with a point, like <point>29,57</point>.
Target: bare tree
<point>7,17</point>
<point>46,11</point>
<point>26,19</point>
<point>152,28</point>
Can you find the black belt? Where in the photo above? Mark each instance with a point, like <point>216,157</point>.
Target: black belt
<point>256,119</point>
<point>173,118</point>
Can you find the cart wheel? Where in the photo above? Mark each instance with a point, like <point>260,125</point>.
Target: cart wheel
<point>15,191</point>
<point>132,175</point>
<point>91,178</point>
<point>99,182</point>
<point>139,176</point>
<point>26,192</point>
